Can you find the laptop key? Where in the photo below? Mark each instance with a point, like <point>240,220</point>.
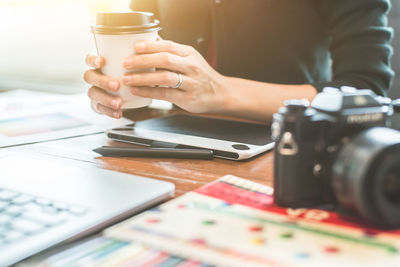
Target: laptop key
<point>43,201</point>
<point>7,195</point>
<point>3,243</point>
<point>14,210</point>
<point>60,205</point>
<point>45,218</point>
<point>32,206</point>
<point>51,210</point>
<point>12,236</point>
<point>22,199</point>
<point>3,204</point>
<point>3,229</point>
<point>77,210</point>
<point>26,226</point>
<point>5,219</point>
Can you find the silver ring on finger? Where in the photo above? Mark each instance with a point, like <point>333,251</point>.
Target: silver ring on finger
<point>178,85</point>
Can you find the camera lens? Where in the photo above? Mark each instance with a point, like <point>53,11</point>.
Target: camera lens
<point>366,176</point>
<point>391,187</point>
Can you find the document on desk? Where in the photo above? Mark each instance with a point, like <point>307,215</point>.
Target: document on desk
<point>233,222</point>
<point>31,117</point>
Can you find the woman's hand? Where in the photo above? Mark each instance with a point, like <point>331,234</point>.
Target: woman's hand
<point>201,90</point>
<point>100,93</point>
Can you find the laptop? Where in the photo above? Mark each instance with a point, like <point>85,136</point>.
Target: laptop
<point>48,202</point>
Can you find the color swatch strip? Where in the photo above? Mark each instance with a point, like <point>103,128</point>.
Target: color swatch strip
<point>103,251</point>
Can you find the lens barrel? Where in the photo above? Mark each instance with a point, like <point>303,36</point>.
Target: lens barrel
<point>366,176</point>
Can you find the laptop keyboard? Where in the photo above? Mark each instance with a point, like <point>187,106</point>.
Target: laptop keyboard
<point>23,215</point>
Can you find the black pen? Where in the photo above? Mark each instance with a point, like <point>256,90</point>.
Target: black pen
<point>180,153</point>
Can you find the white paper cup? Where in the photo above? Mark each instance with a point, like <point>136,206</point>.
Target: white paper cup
<point>115,35</point>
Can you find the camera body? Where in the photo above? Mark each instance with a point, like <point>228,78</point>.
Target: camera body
<point>344,148</point>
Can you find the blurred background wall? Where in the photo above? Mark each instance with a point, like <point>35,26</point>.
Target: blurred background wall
<point>47,40</point>
<point>43,43</point>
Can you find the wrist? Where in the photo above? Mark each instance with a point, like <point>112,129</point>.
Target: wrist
<point>225,95</point>
<point>234,100</point>
<point>221,94</point>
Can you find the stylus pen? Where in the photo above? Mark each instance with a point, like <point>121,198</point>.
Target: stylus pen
<point>180,153</point>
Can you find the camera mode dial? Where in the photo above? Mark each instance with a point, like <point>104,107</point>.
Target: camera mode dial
<point>296,106</point>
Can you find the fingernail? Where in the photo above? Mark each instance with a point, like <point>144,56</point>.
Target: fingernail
<point>140,46</point>
<point>113,85</point>
<point>117,114</point>
<point>128,63</point>
<point>115,103</point>
<point>126,79</point>
<point>97,62</point>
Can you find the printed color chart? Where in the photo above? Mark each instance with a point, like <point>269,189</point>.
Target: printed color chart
<point>38,124</point>
<point>233,222</point>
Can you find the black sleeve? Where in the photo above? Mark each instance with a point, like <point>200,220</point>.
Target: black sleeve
<point>359,43</point>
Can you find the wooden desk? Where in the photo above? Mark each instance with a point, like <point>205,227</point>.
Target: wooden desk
<point>187,175</point>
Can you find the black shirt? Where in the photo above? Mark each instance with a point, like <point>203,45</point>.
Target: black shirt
<point>318,42</point>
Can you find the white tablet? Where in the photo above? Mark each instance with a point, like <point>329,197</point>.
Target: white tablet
<point>227,138</point>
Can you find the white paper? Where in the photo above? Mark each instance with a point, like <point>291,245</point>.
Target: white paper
<point>31,117</point>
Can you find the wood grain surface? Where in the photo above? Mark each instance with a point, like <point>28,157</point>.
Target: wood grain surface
<point>186,174</point>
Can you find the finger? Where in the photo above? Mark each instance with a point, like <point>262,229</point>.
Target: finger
<point>99,108</point>
<point>117,114</point>
<point>150,47</point>
<point>161,93</point>
<point>158,78</point>
<point>100,96</point>
<point>94,61</point>
<point>94,106</point>
<point>96,78</point>
<point>161,60</point>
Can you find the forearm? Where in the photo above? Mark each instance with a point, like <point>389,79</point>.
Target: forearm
<point>257,100</point>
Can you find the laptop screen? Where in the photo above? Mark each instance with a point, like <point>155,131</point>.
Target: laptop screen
<point>44,42</point>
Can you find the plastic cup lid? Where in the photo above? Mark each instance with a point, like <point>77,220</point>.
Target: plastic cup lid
<point>125,22</point>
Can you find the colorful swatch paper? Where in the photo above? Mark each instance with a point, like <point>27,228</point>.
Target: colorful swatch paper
<point>233,222</point>
<point>28,117</point>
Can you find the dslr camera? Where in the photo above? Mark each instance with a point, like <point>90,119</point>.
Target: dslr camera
<point>343,149</point>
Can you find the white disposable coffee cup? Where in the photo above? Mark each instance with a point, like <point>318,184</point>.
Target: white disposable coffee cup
<point>115,35</point>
